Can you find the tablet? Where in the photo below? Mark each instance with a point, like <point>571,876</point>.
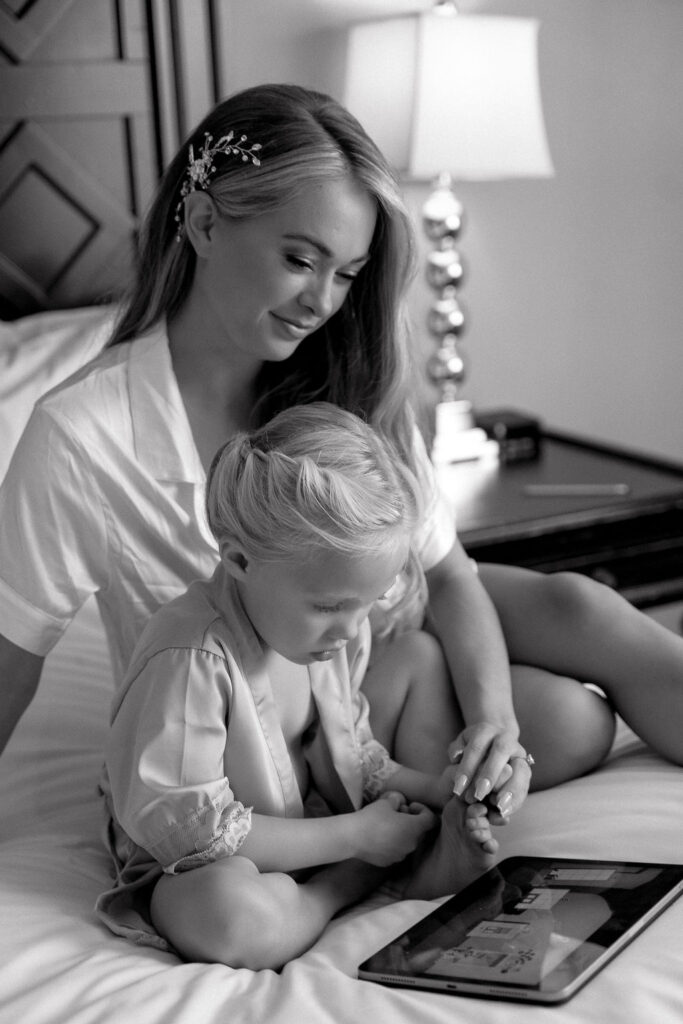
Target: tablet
<point>532,929</point>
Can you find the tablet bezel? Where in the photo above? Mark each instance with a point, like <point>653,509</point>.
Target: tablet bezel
<point>383,967</point>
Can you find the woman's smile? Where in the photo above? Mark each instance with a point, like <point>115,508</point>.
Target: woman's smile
<point>295,329</point>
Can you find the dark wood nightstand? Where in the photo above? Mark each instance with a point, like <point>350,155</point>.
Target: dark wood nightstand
<point>595,509</point>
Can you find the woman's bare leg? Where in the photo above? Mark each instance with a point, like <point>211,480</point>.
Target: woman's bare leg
<point>574,627</point>
<point>567,727</point>
<point>231,913</point>
<point>415,714</point>
<point>562,630</point>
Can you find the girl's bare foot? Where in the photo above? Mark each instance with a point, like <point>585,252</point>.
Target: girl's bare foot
<point>463,849</point>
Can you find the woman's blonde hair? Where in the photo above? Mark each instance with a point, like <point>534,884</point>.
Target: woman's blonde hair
<point>315,478</point>
<point>358,359</point>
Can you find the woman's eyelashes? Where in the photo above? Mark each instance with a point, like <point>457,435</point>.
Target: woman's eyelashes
<point>304,263</point>
<point>299,262</point>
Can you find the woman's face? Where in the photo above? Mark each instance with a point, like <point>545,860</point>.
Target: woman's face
<point>269,281</point>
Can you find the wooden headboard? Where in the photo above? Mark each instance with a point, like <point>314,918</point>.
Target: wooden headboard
<point>95,96</point>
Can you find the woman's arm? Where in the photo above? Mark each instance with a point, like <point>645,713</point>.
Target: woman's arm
<point>464,617</point>
<point>53,554</point>
<point>465,620</point>
<point>19,674</point>
<point>467,625</point>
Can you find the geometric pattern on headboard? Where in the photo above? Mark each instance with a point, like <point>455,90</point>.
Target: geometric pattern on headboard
<point>94,97</point>
<point>47,195</point>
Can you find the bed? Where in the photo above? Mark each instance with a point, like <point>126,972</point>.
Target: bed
<point>60,965</point>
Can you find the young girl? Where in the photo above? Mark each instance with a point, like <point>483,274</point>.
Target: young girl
<point>240,748</point>
<point>273,268</point>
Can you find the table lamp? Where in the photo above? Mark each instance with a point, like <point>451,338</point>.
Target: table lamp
<point>447,97</point>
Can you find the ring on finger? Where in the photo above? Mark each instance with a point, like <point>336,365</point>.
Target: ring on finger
<point>524,757</point>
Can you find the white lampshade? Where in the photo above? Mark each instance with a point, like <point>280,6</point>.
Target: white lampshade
<point>458,94</point>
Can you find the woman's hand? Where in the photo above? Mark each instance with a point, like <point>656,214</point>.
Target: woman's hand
<point>492,767</point>
<point>389,829</point>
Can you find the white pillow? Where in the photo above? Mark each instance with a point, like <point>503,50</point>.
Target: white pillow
<point>37,353</point>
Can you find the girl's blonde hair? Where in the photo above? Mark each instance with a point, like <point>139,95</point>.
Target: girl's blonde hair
<point>315,478</point>
<point>359,359</point>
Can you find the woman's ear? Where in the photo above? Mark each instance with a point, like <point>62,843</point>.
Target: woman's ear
<point>200,219</point>
<point>234,560</point>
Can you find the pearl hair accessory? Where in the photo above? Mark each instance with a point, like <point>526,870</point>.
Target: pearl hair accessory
<point>201,167</point>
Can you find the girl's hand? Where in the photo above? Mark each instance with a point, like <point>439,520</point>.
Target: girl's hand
<point>389,829</point>
<point>446,784</point>
<point>492,767</point>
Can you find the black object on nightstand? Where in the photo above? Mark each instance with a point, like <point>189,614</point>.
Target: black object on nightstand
<point>518,434</point>
<point>609,513</point>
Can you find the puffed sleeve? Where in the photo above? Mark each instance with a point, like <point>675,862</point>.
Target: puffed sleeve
<point>53,536</point>
<point>165,761</point>
<point>376,764</point>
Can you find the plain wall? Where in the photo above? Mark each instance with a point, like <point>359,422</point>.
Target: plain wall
<point>574,290</point>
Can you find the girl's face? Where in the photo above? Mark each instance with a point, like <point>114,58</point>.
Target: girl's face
<point>269,281</point>
<point>307,611</point>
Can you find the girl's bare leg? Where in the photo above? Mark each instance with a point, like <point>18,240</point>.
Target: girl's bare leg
<point>574,627</point>
<point>229,912</point>
<point>462,850</point>
<point>413,708</point>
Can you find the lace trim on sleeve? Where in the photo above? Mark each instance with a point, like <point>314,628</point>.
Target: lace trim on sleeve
<point>376,766</point>
<point>234,830</point>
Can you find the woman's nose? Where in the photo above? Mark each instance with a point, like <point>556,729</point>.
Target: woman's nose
<point>318,298</point>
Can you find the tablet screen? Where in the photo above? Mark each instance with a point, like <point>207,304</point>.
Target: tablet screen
<point>531,928</point>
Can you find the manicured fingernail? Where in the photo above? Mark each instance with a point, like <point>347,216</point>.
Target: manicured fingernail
<point>456,756</point>
<point>460,785</point>
<point>483,789</point>
<point>504,803</point>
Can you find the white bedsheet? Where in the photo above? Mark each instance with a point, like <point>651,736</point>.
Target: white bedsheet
<point>59,965</point>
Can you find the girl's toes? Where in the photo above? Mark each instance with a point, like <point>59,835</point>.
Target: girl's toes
<point>476,816</point>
